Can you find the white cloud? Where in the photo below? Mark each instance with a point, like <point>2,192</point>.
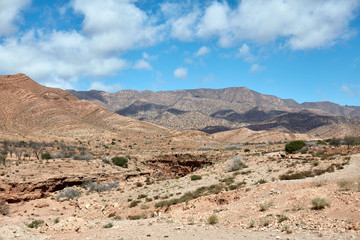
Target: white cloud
<point>303,24</point>
<point>181,73</point>
<point>257,68</point>
<point>202,51</point>
<point>244,52</point>
<point>106,88</point>
<point>351,90</point>
<point>9,11</point>
<point>142,64</point>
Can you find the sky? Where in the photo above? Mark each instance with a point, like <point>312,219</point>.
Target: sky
<point>301,49</point>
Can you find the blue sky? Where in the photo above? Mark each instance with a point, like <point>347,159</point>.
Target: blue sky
<point>301,49</point>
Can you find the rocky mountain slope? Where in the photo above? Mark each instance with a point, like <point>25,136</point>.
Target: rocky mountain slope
<point>30,109</point>
<point>216,110</point>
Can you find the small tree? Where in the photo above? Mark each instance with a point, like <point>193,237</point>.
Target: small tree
<point>3,155</point>
<point>294,146</point>
<point>120,161</point>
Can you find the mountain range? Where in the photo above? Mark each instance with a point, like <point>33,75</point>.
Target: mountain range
<point>217,110</point>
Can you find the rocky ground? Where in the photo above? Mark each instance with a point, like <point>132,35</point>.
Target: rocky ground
<point>197,193</point>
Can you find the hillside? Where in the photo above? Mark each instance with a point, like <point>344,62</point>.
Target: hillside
<point>216,110</point>
<point>30,109</point>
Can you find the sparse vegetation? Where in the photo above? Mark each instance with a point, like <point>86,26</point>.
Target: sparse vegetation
<point>68,193</point>
<point>35,224</point>
<point>294,146</point>
<point>235,163</point>
<point>346,185</point>
<point>98,187</point>
<point>4,209</point>
<point>265,206</point>
<point>320,203</point>
<point>46,156</point>
<point>120,161</point>
<point>195,177</point>
<point>108,225</point>
<point>213,219</point>
<point>134,203</point>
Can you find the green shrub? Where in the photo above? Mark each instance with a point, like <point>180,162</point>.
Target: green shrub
<point>213,219</point>
<point>46,155</point>
<point>346,185</point>
<point>266,206</point>
<point>294,146</point>
<point>108,225</point>
<point>320,203</point>
<point>246,150</point>
<point>120,161</point>
<point>134,217</point>
<point>134,203</point>
<point>35,224</point>
<point>195,177</point>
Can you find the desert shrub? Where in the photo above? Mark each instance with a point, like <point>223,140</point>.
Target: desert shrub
<point>261,181</point>
<point>134,203</point>
<point>120,161</point>
<point>68,193</point>
<point>142,196</point>
<point>4,209</point>
<point>98,187</point>
<point>83,157</point>
<point>265,221</point>
<point>56,220</point>
<point>195,177</point>
<point>35,224</point>
<point>297,175</point>
<point>346,185</point>
<point>228,180</point>
<point>134,217</point>
<point>139,184</point>
<point>46,155</point>
<point>108,225</point>
<point>321,142</point>
<point>265,206</point>
<point>232,147</point>
<point>335,142</point>
<point>282,218</point>
<point>320,203</point>
<point>213,219</point>
<point>246,150</point>
<point>294,146</point>
<point>57,155</point>
<point>235,163</point>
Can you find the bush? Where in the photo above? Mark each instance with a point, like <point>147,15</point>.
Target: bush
<point>346,185</point>
<point>46,155</point>
<point>320,203</point>
<point>120,161</point>
<point>68,193</point>
<point>195,177</point>
<point>98,187</point>
<point>335,142</point>
<point>83,157</point>
<point>266,206</point>
<point>294,146</point>
<point>35,223</point>
<point>108,225</point>
<point>235,163</point>
<point>134,203</point>
<point>4,209</point>
<point>213,219</point>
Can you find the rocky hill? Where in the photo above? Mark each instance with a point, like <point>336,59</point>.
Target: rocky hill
<point>30,109</point>
<point>216,110</point>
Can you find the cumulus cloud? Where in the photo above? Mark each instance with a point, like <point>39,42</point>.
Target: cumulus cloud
<point>202,51</point>
<point>181,73</point>
<point>106,88</point>
<point>142,64</point>
<point>304,24</point>
<point>244,53</point>
<point>8,13</point>
<point>256,68</point>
